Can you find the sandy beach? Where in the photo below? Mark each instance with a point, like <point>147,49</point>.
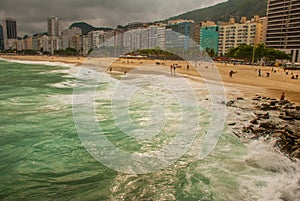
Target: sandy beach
<point>246,78</point>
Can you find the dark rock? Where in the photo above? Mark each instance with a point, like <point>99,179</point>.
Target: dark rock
<point>265,106</point>
<point>254,121</point>
<point>293,113</point>
<point>296,153</point>
<point>239,98</point>
<point>231,124</point>
<point>267,125</point>
<point>263,115</point>
<point>273,108</point>
<point>284,117</point>
<point>229,103</point>
<point>273,119</point>
<point>283,102</point>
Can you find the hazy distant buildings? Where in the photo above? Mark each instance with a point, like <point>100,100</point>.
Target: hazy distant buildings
<point>70,38</point>
<point>25,44</point>
<point>94,39</point>
<point>43,43</point>
<point>1,38</point>
<point>157,36</point>
<point>10,33</point>
<point>283,29</point>
<point>186,30</point>
<point>177,34</point>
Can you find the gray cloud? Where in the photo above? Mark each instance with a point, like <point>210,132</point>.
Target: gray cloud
<point>32,15</point>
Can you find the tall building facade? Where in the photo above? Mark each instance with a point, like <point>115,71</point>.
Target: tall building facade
<point>283,26</point>
<point>209,38</point>
<point>1,38</point>
<point>9,33</point>
<point>185,28</point>
<point>234,34</point>
<point>54,26</point>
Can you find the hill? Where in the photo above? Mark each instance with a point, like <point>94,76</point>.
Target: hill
<point>224,11</point>
<point>86,28</point>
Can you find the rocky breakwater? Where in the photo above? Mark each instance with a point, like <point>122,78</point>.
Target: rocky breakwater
<point>268,119</point>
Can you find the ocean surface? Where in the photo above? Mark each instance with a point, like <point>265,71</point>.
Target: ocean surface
<point>42,156</point>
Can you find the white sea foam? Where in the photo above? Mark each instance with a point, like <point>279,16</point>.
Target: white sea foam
<point>269,175</point>
<point>47,63</point>
<point>278,175</point>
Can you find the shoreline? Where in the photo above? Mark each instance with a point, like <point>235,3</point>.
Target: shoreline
<point>246,78</point>
<point>240,94</point>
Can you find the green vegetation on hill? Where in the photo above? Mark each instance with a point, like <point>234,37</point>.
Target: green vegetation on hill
<point>224,11</point>
<point>86,28</point>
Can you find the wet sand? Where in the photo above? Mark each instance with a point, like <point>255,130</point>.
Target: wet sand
<point>246,79</point>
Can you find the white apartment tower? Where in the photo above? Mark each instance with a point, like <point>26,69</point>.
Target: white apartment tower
<point>54,26</point>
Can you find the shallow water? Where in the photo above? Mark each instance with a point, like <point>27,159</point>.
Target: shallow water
<point>42,157</point>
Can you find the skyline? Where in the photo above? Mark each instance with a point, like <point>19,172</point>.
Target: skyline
<point>32,15</point>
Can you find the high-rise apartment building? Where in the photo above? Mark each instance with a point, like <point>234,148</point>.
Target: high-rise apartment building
<point>54,26</point>
<point>283,27</point>
<point>54,33</point>
<point>234,34</point>
<point>9,33</point>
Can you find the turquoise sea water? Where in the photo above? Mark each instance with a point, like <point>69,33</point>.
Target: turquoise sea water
<point>42,157</point>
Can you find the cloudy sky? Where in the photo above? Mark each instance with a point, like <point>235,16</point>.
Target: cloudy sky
<point>32,15</point>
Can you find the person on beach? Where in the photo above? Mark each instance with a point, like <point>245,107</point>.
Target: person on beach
<point>268,74</point>
<point>231,73</point>
<point>171,67</point>
<point>187,67</point>
<point>259,73</point>
<point>282,96</point>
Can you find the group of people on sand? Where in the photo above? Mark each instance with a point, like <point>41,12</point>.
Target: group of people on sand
<point>296,77</point>
<point>173,68</point>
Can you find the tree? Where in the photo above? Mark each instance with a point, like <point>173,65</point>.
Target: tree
<point>259,51</point>
<point>210,52</point>
<point>90,51</point>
